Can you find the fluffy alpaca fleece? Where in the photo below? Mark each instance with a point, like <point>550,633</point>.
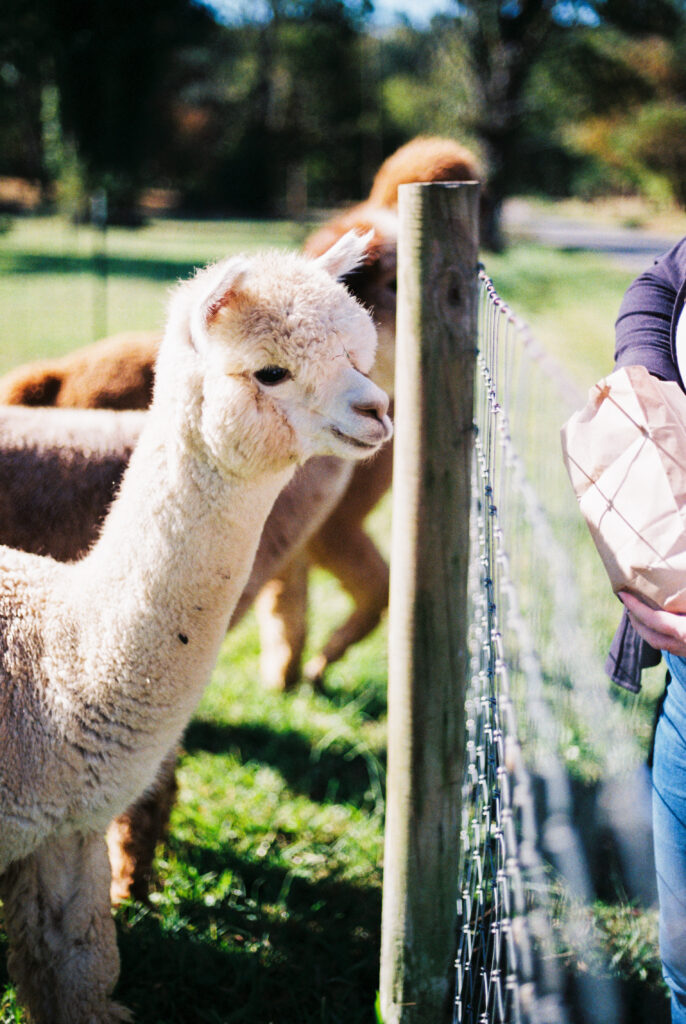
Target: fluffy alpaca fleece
<point>102,660</point>
<point>59,471</point>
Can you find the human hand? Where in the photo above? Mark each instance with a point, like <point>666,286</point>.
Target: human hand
<point>665,631</point>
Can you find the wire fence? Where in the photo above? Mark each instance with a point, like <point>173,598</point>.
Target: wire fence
<point>538,705</point>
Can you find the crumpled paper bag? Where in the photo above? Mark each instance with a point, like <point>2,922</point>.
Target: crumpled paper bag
<point>625,453</point>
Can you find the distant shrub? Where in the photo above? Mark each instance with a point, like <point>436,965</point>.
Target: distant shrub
<point>644,150</point>
<point>659,138</point>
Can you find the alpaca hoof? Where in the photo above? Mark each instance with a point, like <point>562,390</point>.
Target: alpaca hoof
<point>122,890</point>
<point>314,671</point>
<point>117,1014</point>
<point>279,676</point>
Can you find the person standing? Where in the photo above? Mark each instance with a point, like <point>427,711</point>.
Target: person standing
<point>651,331</point>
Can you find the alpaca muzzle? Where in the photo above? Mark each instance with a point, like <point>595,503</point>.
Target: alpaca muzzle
<point>364,424</point>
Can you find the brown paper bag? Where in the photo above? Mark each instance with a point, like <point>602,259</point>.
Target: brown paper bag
<point>625,453</point>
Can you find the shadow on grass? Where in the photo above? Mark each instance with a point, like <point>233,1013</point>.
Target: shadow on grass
<point>312,959</point>
<point>242,961</point>
<point>114,266</point>
<point>371,695</point>
<point>334,774</point>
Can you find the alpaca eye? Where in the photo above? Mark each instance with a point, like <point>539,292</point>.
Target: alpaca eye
<point>272,375</point>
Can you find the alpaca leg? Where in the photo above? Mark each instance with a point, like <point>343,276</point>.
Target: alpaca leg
<point>281,609</point>
<point>63,951</point>
<point>132,838</point>
<point>343,548</point>
<point>364,573</point>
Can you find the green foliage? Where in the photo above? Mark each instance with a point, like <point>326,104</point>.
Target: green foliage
<point>283,112</point>
<point>430,85</point>
<point>645,17</point>
<point>528,87</point>
<point>587,73</point>
<point>609,940</point>
<point>295,103</point>
<point>658,142</point>
<point>112,63</point>
<point>631,122</point>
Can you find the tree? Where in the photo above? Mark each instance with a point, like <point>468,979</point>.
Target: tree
<point>23,46</point>
<point>641,141</point>
<point>285,106</point>
<point>111,61</point>
<point>515,79</point>
<point>474,85</point>
<point>105,67</point>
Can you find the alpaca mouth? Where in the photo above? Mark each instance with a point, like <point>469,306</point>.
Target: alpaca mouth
<point>356,441</point>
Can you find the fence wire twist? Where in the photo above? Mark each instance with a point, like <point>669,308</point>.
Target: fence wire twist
<point>518,844</point>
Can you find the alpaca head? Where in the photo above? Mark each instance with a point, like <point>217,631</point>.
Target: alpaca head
<point>373,280</point>
<point>276,352</point>
<point>424,159</point>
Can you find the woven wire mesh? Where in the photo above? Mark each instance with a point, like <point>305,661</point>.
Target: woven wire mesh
<point>533,672</point>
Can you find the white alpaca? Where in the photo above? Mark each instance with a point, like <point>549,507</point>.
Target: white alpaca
<point>102,661</point>
<point>59,472</point>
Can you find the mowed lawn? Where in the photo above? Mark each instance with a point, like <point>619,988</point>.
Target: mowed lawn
<point>268,895</point>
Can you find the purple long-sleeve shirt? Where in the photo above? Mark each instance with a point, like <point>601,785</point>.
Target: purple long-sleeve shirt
<point>645,334</point>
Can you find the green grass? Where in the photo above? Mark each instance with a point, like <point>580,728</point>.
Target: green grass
<point>267,907</point>
<point>269,898</point>
<point>63,286</point>
<point>571,299</point>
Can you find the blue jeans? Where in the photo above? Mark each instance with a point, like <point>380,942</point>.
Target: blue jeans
<point>669,831</point>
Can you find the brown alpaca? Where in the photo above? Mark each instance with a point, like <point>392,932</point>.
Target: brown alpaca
<point>341,545</point>
<point>117,373</point>
<point>114,373</point>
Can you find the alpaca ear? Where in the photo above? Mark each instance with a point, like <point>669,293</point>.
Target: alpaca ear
<point>346,255</point>
<point>221,288</point>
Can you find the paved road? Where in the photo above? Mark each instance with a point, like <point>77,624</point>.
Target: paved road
<point>631,246</point>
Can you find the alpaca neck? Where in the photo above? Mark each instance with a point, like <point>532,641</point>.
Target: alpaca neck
<point>170,565</point>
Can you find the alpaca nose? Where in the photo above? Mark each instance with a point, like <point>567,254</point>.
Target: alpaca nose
<point>375,406</point>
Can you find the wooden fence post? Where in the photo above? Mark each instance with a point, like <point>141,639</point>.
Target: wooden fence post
<point>428,656</point>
